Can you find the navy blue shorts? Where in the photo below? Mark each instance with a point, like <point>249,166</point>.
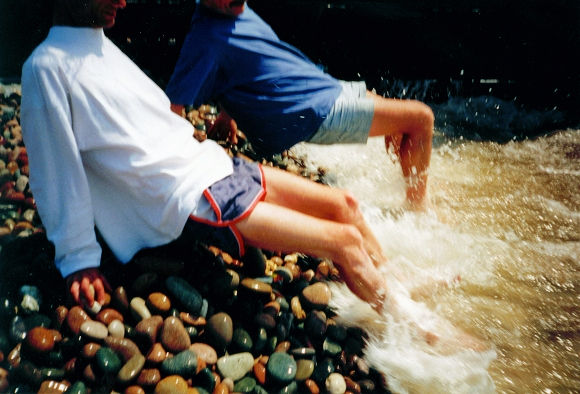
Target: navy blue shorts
<point>225,203</point>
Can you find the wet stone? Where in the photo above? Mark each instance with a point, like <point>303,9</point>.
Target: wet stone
<point>107,362</point>
<point>220,330</point>
<point>149,377</point>
<point>235,366</point>
<point>135,389</point>
<point>157,354</point>
<point>185,294</point>
<point>265,321</point>
<point>336,332</point>
<point>125,347</point>
<point>303,352</point>
<point>297,309</point>
<point>159,303</point>
<point>352,386</point>
<point>75,318</point>
<point>18,330</point>
<point>255,261</point>
<point>256,288</point>
<point>335,384</point>
<point>131,369</point>
<point>331,348</point>
<point>52,387</point>
<point>205,352</point>
<point>116,329</point>
<point>107,315</point>
<point>42,340</point>
<point>183,364</point>
<point>149,328</point>
<point>304,369</point>
<point>245,385</point>
<point>174,337</point>
<point>77,387</point>
<point>52,373</point>
<point>241,341</point>
<point>260,372</point>
<point>322,369</point>
<point>171,385</point>
<point>205,380</point>
<point>283,275</point>
<point>144,283</point>
<point>89,350</point>
<point>312,386</point>
<point>120,299</point>
<point>281,368</point>
<point>261,340</point>
<point>316,296</point>
<point>94,330</point>
<point>315,324</point>
<point>60,316</point>
<point>138,309</point>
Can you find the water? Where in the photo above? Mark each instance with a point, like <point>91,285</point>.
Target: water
<point>506,218</point>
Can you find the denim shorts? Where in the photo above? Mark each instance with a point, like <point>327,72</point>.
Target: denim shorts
<point>349,119</point>
<point>224,204</point>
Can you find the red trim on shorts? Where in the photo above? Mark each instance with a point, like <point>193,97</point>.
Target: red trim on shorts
<point>239,239</point>
<point>231,223</point>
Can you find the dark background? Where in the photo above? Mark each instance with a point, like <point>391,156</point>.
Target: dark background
<point>528,48</point>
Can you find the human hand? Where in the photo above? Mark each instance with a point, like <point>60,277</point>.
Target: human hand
<point>224,128</point>
<point>86,285</point>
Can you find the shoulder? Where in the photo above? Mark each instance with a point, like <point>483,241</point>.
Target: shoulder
<point>43,57</point>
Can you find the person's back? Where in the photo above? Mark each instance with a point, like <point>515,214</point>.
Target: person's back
<point>103,144</point>
<point>267,85</point>
<point>230,55</point>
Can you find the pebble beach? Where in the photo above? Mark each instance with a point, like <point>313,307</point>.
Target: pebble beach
<point>181,318</point>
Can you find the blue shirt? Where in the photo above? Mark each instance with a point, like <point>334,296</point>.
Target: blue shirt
<point>277,96</point>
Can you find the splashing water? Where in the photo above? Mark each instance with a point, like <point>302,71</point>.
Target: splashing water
<point>506,218</point>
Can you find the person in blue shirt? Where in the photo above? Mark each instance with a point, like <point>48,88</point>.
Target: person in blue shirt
<point>278,97</point>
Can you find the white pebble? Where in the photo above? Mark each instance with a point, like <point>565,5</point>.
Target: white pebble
<point>116,329</point>
<point>335,384</point>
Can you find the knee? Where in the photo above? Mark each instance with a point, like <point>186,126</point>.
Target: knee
<point>425,117</point>
<point>347,209</point>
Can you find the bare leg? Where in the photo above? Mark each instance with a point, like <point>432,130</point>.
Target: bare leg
<point>320,201</point>
<point>407,126</point>
<point>278,228</point>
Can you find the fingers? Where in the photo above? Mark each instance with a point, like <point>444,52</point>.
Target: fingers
<point>74,291</point>
<point>99,287</point>
<point>86,291</point>
<point>88,286</point>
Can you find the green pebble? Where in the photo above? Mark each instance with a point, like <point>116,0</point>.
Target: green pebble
<point>205,379</point>
<point>183,363</point>
<point>107,361</point>
<point>52,373</point>
<point>77,387</point>
<point>245,385</point>
<point>241,341</point>
<point>260,390</point>
<point>304,369</point>
<point>331,348</point>
<point>322,370</point>
<point>131,369</point>
<point>271,344</point>
<point>261,341</point>
<point>336,332</point>
<point>281,368</point>
<point>186,294</point>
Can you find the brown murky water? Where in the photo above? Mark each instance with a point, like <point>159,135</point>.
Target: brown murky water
<point>506,217</point>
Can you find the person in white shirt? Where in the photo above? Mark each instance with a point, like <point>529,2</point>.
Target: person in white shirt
<point>106,151</point>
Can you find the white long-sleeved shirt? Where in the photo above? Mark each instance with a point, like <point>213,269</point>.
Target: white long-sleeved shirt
<point>105,149</point>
